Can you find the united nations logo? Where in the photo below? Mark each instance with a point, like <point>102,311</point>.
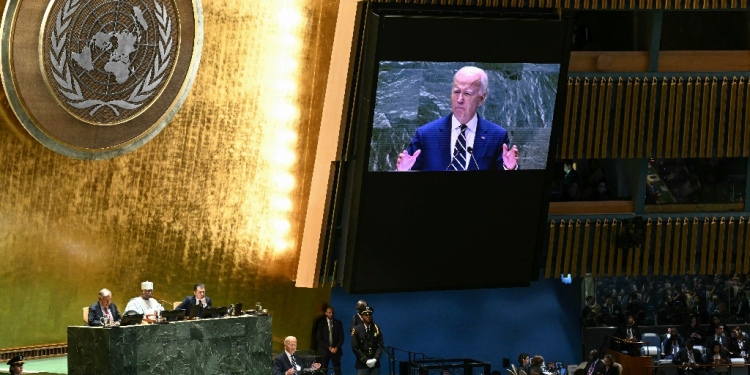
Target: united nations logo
<point>118,70</point>
<point>107,60</point>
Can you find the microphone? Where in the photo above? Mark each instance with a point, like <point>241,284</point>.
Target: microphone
<point>471,152</point>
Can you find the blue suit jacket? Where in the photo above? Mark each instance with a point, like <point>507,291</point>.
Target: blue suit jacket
<point>281,363</point>
<point>189,302</point>
<point>434,140</point>
<point>95,313</point>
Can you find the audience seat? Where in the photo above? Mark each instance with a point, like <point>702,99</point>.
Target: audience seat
<point>653,346</point>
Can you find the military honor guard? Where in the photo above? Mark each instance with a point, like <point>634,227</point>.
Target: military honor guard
<point>367,344</point>
<point>16,365</point>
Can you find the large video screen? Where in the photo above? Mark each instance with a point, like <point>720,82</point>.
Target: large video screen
<point>420,107</point>
<point>438,92</point>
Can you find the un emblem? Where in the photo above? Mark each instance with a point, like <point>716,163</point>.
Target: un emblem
<point>111,73</point>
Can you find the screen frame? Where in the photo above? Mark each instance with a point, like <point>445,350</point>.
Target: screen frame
<point>359,114</point>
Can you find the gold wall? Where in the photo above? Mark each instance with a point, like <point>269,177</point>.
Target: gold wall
<point>214,198</point>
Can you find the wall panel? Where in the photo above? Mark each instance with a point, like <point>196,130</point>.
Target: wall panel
<point>202,202</point>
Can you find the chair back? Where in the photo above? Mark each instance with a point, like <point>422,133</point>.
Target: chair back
<point>86,315</point>
<point>175,304</point>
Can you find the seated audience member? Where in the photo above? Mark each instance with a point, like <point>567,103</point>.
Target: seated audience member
<point>595,366</point>
<point>631,335</point>
<point>198,298</point>
<point>16,365</point>
<point>288,362</point>
<point>103,307</point>
<point>690,357</point>
<point>611,367</point>
<point>717,357</point>
<point>742,309</point>
<point>665,309</point>
<point>738,344</point>
<point>535,370</point>
<point>719,337</point>
<point>692,330</point>
<point>588,315</point>
<point>672,343</point>
<point>601,193</point>
<point>634,306</point>
<point>537,361</point>
<point>524,363</point>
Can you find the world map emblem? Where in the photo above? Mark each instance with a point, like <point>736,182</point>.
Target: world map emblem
<point>96,79</point>
<point>106,61</point>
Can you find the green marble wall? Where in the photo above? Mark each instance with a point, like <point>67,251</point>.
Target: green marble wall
<point>239,345</point>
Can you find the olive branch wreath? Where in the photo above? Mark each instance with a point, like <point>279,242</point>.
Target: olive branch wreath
<point>72,90</point>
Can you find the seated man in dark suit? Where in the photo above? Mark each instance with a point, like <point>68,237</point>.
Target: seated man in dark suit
<point>198,298</point>
<point>595,366</point>
<point>631,335</point>
<point>288,363</point>
<point>691,357</point>
<point>103,307</point>
<point>330,338</point>
<point>720,337</point>
<point>462,140</point>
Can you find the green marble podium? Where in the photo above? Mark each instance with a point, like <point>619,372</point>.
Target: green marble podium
<point>234,345</point>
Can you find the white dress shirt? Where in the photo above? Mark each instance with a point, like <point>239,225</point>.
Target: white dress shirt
<point>470,133</point>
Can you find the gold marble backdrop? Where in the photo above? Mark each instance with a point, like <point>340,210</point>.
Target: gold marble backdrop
<point>218,197</point>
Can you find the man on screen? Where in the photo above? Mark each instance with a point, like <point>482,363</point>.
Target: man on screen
<point>462,140</point>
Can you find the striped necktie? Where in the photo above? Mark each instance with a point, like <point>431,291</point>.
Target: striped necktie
<point>458,162</point>
<point>294,363</point>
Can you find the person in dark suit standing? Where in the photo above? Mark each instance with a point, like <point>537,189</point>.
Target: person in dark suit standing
<point>289,363</point>
<point>462,140</point>
<point>103,307</point>
<point>357,319</point>
<point>198,298</point>
<point>367,344</point>
<point>595,366</point>
<point>691,357</point>
<point>330,339</point>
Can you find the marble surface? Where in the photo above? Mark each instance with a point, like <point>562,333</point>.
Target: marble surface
<point>410,94</point>
<point>240,345</point>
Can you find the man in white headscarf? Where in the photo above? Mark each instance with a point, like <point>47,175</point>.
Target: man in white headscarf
<point>145,304</point>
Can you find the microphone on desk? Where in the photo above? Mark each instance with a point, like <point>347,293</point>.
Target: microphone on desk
<point>471,152</point>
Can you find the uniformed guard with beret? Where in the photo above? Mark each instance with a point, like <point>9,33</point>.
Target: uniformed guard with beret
<point>367,344</point>
<point>16,365</point>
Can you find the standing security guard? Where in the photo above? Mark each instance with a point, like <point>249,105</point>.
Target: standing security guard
<point>367,344</point>
<point>16,365</point>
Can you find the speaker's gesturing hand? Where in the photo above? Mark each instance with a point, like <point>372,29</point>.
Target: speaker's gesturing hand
<point>510,157</point>
<point>406,161</point>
